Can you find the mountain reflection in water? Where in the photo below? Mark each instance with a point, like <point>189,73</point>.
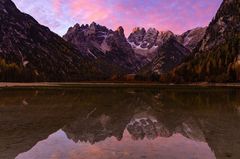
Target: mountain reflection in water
<point>120,123</point>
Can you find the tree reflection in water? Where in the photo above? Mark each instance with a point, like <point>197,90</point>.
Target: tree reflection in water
<point>146,121</point>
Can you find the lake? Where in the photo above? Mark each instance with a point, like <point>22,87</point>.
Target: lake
<point>143,122</point>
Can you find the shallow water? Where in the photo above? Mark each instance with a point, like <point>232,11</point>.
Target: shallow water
<point>105,123</point>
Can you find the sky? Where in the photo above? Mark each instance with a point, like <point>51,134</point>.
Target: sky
<point>175,15</point>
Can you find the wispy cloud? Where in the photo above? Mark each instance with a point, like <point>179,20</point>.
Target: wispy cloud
<point>175,15</point>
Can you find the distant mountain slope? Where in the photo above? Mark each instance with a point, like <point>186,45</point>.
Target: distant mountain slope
<point>31,52</point>
<point>218,55</point>
<point>224,26</point>
<point>104,44</point>
<point>162,50</point>
<point>191,38</point>
<point>168,56</point>
<point>147,43</point>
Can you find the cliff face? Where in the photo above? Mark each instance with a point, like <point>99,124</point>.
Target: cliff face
<point>217,56</point>
<point>191,38</point>
<point>224,26</point>
<point>31,52</point>
<point>163,50</point>
<point>168,56</point>
<point>147,43</point>
<point>103,44</point>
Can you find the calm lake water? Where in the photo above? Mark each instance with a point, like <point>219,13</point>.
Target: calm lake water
<point>115,123</point>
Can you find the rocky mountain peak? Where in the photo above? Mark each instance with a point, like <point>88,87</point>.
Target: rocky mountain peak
<point>102,43</point>
<point>223,26</point>
<point>147,43</point>
<point>137,35</point>
<point>74,28</point>
<point>93,24</point>
<point>167,33</point>
<point>138,29</point>
<point>76,25</point>
<point>164,36</point>
<point>150,38</point>
<point>120,30</point>
<point>217,55</point>
<point>81,35</point>
<point>94,27</point>
<point>191,38</point>
<point>152,31</point>
<point>9,10</point>
<point>36,53</point>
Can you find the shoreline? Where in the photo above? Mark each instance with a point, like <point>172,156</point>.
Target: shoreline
<point>111,84</point>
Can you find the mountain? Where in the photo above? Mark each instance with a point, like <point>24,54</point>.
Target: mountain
<point>147,43</point>
<point>191,38</point>
<point>31,52</point>
<point>104,44</point>
<point>217,57</point>
<point>168,56</point>
<point>224,27</point>
<point>162,50</point>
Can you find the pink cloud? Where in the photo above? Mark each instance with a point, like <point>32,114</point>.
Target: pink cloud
<point>91,10</point>
<point>175,15</point>
<point>56,5</point>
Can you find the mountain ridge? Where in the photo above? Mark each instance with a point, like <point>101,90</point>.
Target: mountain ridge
<point>142,48</point>
<point>29,51</point>
<point>105,44</point>
<point>217,56</point>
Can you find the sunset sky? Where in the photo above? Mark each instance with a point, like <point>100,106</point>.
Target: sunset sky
<point>175,15</point>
